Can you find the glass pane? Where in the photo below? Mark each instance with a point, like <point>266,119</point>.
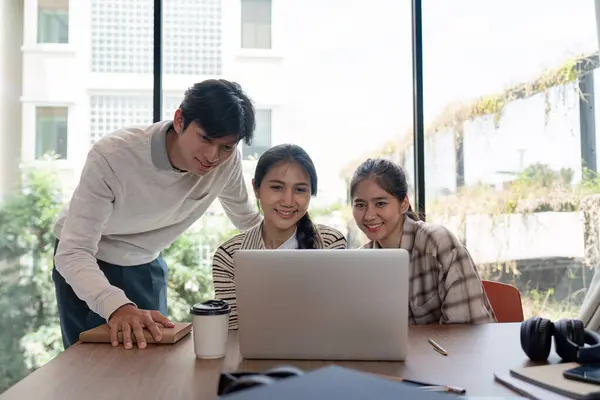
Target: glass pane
<point>262,136</point>
<point>503,166</point>
<point>256,11</point>
<point>53,21</point>
<point>256,24</point>
<point>51,132</point>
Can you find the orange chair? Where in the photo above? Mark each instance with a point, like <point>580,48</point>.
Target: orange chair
<point>505,301</point>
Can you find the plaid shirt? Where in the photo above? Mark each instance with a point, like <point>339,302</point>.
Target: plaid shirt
<point>445,286</point>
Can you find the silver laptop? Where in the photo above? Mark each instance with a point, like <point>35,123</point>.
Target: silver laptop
<point>322,304</point>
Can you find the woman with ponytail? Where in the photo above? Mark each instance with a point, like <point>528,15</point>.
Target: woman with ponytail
<point>444,285</point>
<point>284,181</point>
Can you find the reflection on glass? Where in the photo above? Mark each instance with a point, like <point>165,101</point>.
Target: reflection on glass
<point>505,116</point>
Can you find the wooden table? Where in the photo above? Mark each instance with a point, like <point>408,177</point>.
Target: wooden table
<point>99,371</point>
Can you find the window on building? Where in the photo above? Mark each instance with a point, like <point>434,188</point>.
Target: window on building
<point>256,24</point>
<point>262,136</point>
<point>192,36</point>
<point>51,132</point>
<point>53,21</point>
<point>111,112</point>
<point>122,36</point>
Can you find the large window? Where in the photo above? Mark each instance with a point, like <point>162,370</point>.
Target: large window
<point>510,139</point>
<point>53,21</point>
<point>505,116</point>
<point>51,133</point>
<point>262,136</point>
<point>256,24</point>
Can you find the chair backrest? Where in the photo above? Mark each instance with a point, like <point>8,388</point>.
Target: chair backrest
<point>505,301</point>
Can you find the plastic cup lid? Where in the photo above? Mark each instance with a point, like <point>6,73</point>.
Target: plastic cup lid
<point>210,307</point>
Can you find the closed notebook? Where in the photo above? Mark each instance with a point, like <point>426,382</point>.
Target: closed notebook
<point>101,334</point>
<point>528,389</point>
<point>551,377</point>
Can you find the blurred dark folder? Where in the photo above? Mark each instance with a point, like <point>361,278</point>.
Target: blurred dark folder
<point>334,382</point>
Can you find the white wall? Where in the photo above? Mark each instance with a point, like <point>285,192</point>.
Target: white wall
<point>520,236</point>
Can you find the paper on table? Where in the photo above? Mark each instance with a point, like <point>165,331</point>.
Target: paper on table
<point>527,389</point>
<point>551,377</point>
<point>101,334</point>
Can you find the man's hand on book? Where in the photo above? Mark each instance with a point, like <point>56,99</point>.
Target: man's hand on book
<point>129,320</point>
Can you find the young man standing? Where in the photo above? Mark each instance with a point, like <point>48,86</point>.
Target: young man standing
<point>139,190</point>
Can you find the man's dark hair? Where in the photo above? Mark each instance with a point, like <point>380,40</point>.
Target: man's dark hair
<point>220,108</point>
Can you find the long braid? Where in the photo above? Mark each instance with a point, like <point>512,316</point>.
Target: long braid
<point>306,233</point>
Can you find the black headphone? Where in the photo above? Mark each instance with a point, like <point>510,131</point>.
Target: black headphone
<point>570,338</point>
<point>231,382</point>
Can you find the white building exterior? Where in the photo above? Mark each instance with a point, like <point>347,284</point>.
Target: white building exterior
<point>86,68</point>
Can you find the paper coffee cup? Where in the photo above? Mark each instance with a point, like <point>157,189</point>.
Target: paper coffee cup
<point>210,326</point>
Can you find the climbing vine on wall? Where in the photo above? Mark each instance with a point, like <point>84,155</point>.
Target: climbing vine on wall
<point>455,115</point>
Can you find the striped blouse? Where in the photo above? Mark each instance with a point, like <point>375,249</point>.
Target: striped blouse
<point>223,270</point>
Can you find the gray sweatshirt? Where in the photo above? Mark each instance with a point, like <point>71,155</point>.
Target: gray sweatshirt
<point>131,203</point>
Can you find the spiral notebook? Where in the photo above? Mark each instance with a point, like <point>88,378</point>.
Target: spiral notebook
<point>101,334</point>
